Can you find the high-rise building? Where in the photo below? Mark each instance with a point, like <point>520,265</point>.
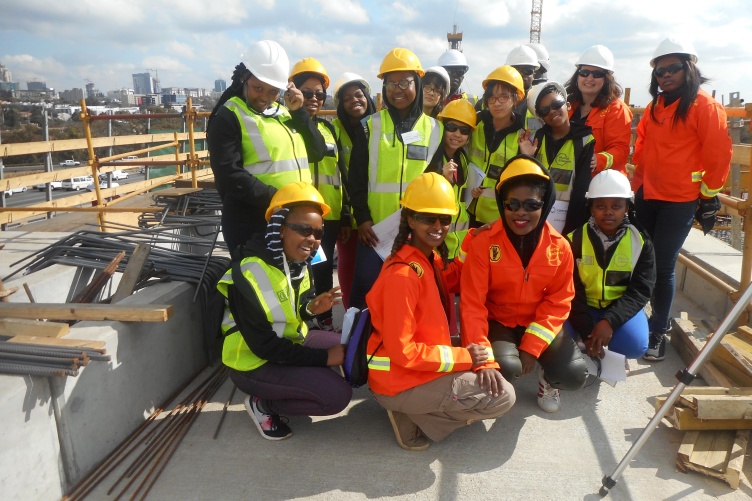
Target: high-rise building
<point>72,96</point>
<point>5,74</point>
<point>90,90</point>
<point>220,85</point>
<point>143,83</point>
<point>36,86</point>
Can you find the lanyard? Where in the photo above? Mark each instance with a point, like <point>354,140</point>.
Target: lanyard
<point>291,291</point>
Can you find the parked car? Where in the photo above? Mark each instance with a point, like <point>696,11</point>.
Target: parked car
<point>54,185</point>
<point>69,163</point>
<point>77,183</point>
<point>102,185</point>
<point>10,192</point>
<point>119,174</point>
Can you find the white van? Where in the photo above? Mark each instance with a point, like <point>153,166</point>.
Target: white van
<point>77,183</point>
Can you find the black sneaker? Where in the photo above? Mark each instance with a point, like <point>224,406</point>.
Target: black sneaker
<point>271,426</point>
<point>656,348</point>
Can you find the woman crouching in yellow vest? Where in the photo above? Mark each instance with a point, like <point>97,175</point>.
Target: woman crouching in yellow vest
<point>271,354</point>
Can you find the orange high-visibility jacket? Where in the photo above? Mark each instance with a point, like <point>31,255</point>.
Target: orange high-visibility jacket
<point>408,316</point>
<point>495,286</point>
<point>678,163</point>
<point>612,130</point>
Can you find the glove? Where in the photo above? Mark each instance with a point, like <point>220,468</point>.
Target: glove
<point>707,208</point>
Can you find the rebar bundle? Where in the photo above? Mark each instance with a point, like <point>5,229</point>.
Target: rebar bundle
<point>37,360</point>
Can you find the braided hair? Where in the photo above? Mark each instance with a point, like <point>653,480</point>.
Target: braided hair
<point>404,233</point>
<point>239,77</point>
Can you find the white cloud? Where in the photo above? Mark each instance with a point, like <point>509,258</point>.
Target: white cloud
<point>492,13</point>
<point>26,67</point>
<point>180,49</point>
<point>347,11</point>
<point>404,12</point>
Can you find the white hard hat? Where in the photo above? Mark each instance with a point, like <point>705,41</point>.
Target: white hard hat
<point>535,91</point>
<point>522,55</point>
<point>439,70</point>
<point>609,184</point>
<point>542,53</point>
<point>348,78</point>
<point>674,46</point>
<point>453,57</point>
<point>599,56</point>
<point>268,62</point>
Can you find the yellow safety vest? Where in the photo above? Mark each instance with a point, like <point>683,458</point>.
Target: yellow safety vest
<point>344,141</point>
<point>604,286</point>
<point>562,167</point>
<point>279,303</point>
<point>393,164</point>
<point>461,222</point>
<point>273,151</point>
<point>485,207</point>
<point>325,174</point>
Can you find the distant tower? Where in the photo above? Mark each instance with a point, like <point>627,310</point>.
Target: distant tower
<point>536,18</point>
<point>89,88</point>
<point>455,39</point>
<point>220,85</point>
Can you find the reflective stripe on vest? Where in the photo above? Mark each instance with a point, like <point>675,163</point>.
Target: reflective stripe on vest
<point>272,152</point>
<point>392,164</point>
<point>562,167</point>
<point>619,270</point>
<point>344,141</point>
<point>541,332</point>
<point>461,222</point>
<point>379,363</point>
<point>325,174</point>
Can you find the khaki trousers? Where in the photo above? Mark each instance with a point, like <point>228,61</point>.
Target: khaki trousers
<point>441,406</point>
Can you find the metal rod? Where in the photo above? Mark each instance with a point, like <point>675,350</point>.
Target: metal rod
<point>224,412</point>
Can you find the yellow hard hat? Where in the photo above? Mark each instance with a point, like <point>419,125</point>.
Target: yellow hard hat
<point>400,59</point>
<point>508,75</point>
<point>460,110</point>
<point>521,166</point>
<point>309,65</point>
<point>299,193</point>
<point>432,193</point>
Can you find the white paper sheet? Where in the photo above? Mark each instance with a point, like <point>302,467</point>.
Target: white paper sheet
<point>386,231</point>
<point>319,257</point>
<point>475,177</point>
<point>613,368</point>
<point>347,324</point>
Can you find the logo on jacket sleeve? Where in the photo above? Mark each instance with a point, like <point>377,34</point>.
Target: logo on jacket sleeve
<point>494,253</point>
<point>282,296</point>
<point>554,254</point>
<point>417,268</point>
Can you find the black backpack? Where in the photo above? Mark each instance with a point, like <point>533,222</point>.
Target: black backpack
<point>356,355</point>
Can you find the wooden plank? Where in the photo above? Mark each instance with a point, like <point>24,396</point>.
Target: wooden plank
<point>683,419</point>
<point>97,283</point>
<point>722,406</point>
<point>13,149</point>
<point>132,272</point>
<point>66,342</point>
<point>718,454</point>
<point>684,340</point>
<point>22,327</point>
<point>741,154</point>
<point>75,311</point>
<point>715,390</point>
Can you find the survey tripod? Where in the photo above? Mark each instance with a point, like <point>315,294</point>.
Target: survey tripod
<point>685,377</point>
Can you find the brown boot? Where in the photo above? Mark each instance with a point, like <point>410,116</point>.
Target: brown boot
<point>409,436</point>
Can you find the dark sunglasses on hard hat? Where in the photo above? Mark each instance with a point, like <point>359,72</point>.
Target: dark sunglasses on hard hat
<point>306,230</point>
<point>402,84</point>
<point>444,220</point>
<point>530,205</point>
<point>556,105</point>
<point>452,127</point>
<point>308,94</point>
<point>670,69</point>
<point>525,71</point>
<point>595,73</point>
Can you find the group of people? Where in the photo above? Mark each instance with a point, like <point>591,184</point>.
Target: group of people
<point>518,201</point>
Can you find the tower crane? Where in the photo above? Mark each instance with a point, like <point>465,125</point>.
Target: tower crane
<point>536,16</point>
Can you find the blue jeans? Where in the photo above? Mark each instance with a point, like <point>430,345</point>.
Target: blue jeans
<point>631,339</point>
<point>667,224</point>
<point>367,268</point>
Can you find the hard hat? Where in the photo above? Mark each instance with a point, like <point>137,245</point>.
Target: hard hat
<point>346,79</point>
<point>542,53</point>
<point>522,55</point>
<point>309,65</point>
<point>297,192</point>
<point>432,193</point>
<point>598,56</point>
<point>521,165</point>
<point>460,110</point>
<point>442,73</point>
<point>535,91</point>
<point>400,59</point>
<point>508,75</point>
<point>609,184</point>
<point>268,62</point>
<point>453,57</point>
<point>674,46</point>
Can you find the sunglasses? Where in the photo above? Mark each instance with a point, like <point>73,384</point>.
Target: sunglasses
<point>452,127</point>
<point>456,72</point>
<point>402,84</point>
<point>556,105</point>
<point>444,220</point>
<point>525,71</point>
<point>306,230</point>
<point>530,205</point>
<point>308,94</point>
<point>595,73</point>
<point>671,69</point>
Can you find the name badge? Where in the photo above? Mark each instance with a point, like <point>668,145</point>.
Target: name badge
<point>410,137</point>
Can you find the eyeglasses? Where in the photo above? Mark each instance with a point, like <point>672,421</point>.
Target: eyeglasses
<point>430,89</point>
<point>308,94</point>
<point>452,127</point>
<point>670,69</point>
<point>530,205</point>
<point>402,84</point>
<point>501,98</point>
<point>306,230</point>
<point>444,220</point>
<point>556,105</point>
<point>595,73</point>
<point>525,71</point>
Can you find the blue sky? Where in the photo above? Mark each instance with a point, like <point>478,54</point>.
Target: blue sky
<point>193,42</point>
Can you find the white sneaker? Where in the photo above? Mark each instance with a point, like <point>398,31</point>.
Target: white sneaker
<point>548,397</point>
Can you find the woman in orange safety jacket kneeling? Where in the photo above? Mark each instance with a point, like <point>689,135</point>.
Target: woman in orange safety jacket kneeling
<point>428,387</point>
<point>517,286</point>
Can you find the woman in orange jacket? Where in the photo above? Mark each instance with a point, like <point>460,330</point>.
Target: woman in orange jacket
<point>682,156</point>
<point>428,387</point>
<point>517,286</point>
<point>595,99</point>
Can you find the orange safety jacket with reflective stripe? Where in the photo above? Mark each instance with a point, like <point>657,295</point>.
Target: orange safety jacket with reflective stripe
<point>495,286</point>
<point>678,163</point>
<point>612,130</point>
<point>409,318</point>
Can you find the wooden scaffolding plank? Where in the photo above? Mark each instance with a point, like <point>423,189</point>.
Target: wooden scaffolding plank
<point>21,327</point>
<point>79,311</point>
<point>132,272</point>
<point>723,406</point>
<point>684,419</point>
<point>65,342</point>
<point>685,340</point>
<point>719,454</point>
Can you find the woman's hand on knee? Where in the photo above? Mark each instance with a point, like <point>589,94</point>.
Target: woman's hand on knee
<point>492,381</point>
<point>528,362</point>
<point>335,355</point>
<point>478,354</point>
